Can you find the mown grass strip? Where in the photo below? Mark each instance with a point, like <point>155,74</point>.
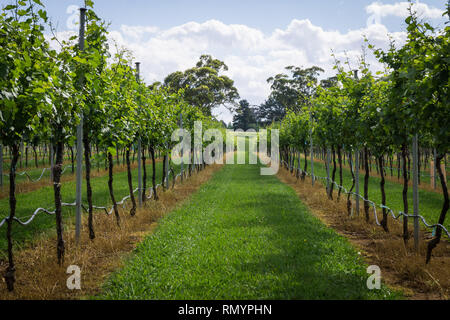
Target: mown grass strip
<point>243,236</point>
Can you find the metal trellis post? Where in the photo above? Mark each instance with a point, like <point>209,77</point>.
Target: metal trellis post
<point>51,162</point>
<point>167,168</point>
<point>78,197</point>
<point>182,149</point>
<point>415,192</point>
<point>311,146</point>
<point>328,171</point>
<point>139,151</point>
<point>434,168</point>
<point>357,181</point>
<point>355,73</point>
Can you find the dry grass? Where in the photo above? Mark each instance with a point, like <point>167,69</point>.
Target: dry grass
<point>401,267</point>
<point>40,277</point>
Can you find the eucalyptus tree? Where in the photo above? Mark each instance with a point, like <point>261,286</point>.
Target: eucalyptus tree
<point>205,86</point>
<point>269,111</point>
<point>294,90</point>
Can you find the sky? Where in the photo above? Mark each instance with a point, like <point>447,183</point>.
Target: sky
<point>255,38</point>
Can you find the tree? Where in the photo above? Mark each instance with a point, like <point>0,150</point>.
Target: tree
<point>244,117</point>
<point>270,111</point>
<point>294,90</point>
<point>204,85</point>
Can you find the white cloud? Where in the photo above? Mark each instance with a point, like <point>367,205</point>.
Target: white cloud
<point>251,55</point>
<point>400,9</point>
<point>138,32</point>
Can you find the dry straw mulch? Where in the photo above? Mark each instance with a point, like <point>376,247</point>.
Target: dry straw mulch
<point>40,277</point>
<point>401,267</point>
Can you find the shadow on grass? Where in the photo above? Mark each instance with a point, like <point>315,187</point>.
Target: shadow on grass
<point>243,236</point>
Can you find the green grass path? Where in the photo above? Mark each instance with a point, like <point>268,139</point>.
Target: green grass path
<point>243,236</point>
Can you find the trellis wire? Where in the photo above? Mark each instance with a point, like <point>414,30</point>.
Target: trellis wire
<point>25,173</point>
<point>73,204</point>
<point>374,205</point>
<point>422,174</point>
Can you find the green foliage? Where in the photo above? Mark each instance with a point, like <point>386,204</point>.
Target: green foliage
<point>245,117</point>
<point>294,130</point>
<point>204,85</point>
<point>381,113</point>
<point>294,90</point>
<point>419,82</point>
<point>23,72</point>
<point>269,111</point>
